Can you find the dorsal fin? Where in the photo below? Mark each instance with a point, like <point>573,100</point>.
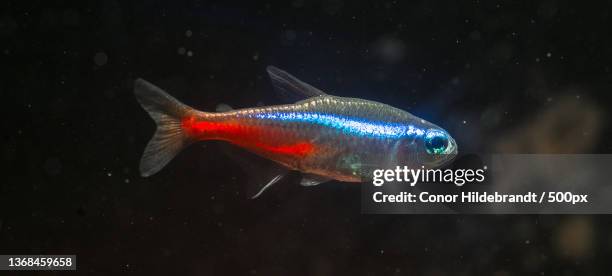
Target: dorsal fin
<point>223,108</point>
<point>291,88</point>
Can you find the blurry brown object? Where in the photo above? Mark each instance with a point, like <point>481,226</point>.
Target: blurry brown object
<point>574,237</point>
<point>568,125</point>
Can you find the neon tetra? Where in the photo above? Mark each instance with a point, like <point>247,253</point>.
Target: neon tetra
<point>325,137</point>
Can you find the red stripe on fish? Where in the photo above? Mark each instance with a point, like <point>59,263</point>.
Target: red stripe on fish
<point>298,149</point>
<point>243,136</point>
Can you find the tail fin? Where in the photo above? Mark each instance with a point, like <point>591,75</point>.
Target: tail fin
<point>169,138</point>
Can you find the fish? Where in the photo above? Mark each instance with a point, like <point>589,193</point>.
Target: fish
<point>322,136</point>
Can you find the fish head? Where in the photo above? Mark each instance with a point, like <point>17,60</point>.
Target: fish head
<point>428,146</point>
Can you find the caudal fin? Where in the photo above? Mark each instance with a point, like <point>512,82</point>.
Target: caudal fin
<point>169,138</point>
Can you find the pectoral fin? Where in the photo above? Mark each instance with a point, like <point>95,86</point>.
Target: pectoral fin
<point>266,186</point>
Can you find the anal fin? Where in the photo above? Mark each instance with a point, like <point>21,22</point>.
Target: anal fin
<point>313,180</point>
<point>261,173</point>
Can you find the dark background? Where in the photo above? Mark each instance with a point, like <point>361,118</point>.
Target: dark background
<point>504,77</point>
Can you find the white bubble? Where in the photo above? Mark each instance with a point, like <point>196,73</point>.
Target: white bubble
<point>189,53</point>
<point>390,49</point>
<point>100,58</point>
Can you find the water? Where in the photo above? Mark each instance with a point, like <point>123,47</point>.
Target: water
<point>519,77</point>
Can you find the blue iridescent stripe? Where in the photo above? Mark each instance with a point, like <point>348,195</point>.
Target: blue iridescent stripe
<point>348,125</point>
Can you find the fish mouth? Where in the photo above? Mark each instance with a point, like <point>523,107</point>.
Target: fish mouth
<point>454,148</point>
<point>445,160</point>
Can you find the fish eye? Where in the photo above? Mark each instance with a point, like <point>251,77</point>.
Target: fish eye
<point>436,142</point>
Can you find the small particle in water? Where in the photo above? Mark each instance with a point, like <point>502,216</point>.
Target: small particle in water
<point>188,33</point>
<point>298,3</point>
<point>537,59</point>
<point>189,53</point>
<point>126,181</point>
<point>256,56</point>
<point>100,58</point>
<point>455,81</point>
<point>109,174</point>
<point>181,50</point>
<point>290,35</point>
<point>527,242</point>
<point>464,122</point>
<point>485,167</point>
<point>549,99</point>
<point>81,211</point>
<point>53,166</point>
<point>549,54</point>
<point>475,35</point>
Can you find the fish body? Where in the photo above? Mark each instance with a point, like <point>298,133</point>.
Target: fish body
<point>323,136</point>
